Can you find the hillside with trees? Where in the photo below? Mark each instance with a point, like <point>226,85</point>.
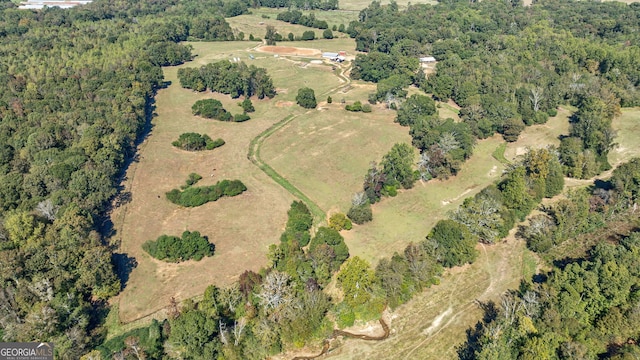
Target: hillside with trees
<point>510,66</point>
<point>586,305</point>
<point>77,98</point>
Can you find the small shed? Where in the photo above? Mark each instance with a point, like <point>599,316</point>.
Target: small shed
<point>427,59</point>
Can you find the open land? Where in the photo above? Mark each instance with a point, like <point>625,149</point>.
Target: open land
<point>324,153</point>
<point>241,227</point>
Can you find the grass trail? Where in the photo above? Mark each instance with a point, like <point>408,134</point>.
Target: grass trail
<point>254,156</point>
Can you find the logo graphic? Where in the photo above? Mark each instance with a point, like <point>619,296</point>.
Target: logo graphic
<point>26,351</point>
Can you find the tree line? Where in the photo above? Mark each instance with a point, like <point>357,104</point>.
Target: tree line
<point>586,305</point>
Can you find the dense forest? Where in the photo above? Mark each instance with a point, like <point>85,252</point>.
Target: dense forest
<point>76,95</point>
<point>510,66</point>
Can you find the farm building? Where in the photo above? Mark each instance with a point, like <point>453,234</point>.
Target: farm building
<point>427,59</point>
<point>330,55</point>
<point>337,57</point>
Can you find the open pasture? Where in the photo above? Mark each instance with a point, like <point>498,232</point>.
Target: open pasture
<point>627,126</point>
<point>327,152</point>
<point>332,17</point>
<point>357,5</point>
<point>542,135</point>
<point>410,215</point>
<point>241,227</point>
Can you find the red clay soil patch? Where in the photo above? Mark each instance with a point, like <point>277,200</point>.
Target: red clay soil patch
<point>288,50</point>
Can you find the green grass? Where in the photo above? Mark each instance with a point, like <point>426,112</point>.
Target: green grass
<point>410,215</point>
<point>542,135</point>
<point>326,153</point>
<point>357,5</point>
<point>334,17</point>
<point>254,156</point>
<point>627,126</point>
<point>498,154</point>
<point>450,108</point>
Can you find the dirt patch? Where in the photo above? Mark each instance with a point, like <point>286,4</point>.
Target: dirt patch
<point>284,103</point>
<point>288,50</point>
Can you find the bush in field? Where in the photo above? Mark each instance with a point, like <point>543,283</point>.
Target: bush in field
<point>196,142</point>
<point>174,249</point>
<point>211,109</point>
<point>196,196</point>
<point>192,179</point>
<point>298,224</point>
<point>358,106</point>
<point>360,214</point>
<point>308,35</point>
<point>241,117</point>
<point>306,98</point>
<point>339,222</point>
<point>456,245</point>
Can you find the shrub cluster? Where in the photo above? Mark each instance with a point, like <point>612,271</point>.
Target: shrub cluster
<point>306,98</point>
<point>196,142</point>
<point>339,221</point>
<point>585,210</point>
<point>358,106</point>
<point>174,249</point>
<point>196,196</point>
<point>212,109</point>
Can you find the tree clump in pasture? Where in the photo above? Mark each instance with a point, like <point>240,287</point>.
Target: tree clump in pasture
<point>197,142</point>
<point>298,224</point>
<point>357,107</point>
<point>339,221</point>
<point>196,196</point>
<point>234,79</point>
<point>306,98</point>
<point>191,246</point>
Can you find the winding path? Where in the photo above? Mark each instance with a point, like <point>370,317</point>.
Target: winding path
<point>254,156</point>
<point>254,153</point>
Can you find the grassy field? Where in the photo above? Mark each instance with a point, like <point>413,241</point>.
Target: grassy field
<point>410,215</point>
<point>538,136</point>
<point>357,5</point>
<point>627,126</point>
<point>241,227</point>
<point>327,152</point>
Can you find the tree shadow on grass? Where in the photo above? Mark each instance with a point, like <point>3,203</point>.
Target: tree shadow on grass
<point>124,266</point>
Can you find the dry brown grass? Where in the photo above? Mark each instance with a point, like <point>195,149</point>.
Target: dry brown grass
<point>241,227</point>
